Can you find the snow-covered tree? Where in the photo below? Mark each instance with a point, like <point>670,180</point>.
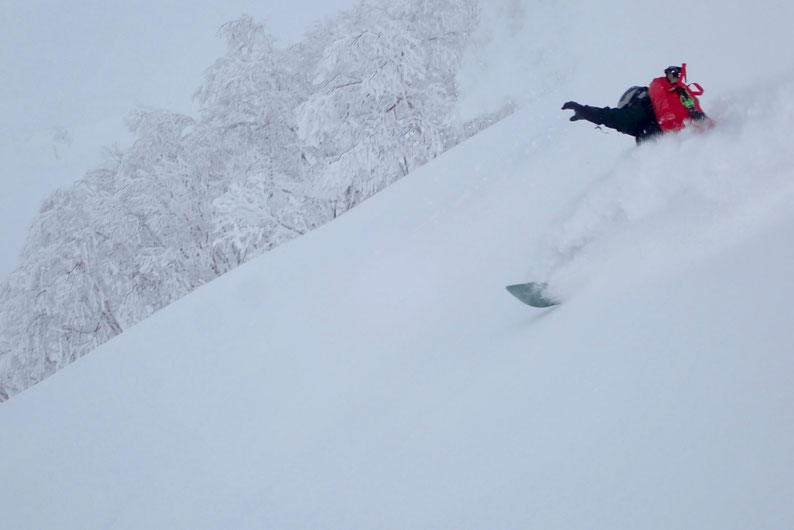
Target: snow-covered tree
<point>56,304</point>
<point>248,130</point>
<point>103,255</point>
<point>384,89</point>
<point>159,215</point>
<point>286,140</point>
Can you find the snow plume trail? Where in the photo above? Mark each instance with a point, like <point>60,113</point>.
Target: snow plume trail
<point>682,196</point>
<point>514,58</point>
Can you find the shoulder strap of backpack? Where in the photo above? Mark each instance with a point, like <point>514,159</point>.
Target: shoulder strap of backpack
<point>699,91</point>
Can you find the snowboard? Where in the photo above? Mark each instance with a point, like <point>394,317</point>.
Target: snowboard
<point>533,294</point>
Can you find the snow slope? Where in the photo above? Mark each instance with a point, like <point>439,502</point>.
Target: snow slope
<point>375,374</point>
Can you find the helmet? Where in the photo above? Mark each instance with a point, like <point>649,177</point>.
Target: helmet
<point>675,70</point>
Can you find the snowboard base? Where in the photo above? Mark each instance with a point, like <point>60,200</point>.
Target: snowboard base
<point>533,294</point>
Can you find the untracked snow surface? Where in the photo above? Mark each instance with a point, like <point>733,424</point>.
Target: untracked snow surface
<point>375,373</point>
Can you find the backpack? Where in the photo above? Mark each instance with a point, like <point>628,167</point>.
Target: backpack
<point>633,97</point>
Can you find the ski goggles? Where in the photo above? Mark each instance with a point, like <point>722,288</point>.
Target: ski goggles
<point>674,70</point>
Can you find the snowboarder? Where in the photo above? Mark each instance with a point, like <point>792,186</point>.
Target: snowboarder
<point>647,112</point>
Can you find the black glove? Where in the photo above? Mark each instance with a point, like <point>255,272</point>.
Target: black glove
<point>577,110</point>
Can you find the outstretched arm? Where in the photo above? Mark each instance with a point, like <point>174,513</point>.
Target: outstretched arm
<point>583,112</point>
<point>625,120</point>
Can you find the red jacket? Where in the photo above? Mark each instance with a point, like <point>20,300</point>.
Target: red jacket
<point>674,104</point>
